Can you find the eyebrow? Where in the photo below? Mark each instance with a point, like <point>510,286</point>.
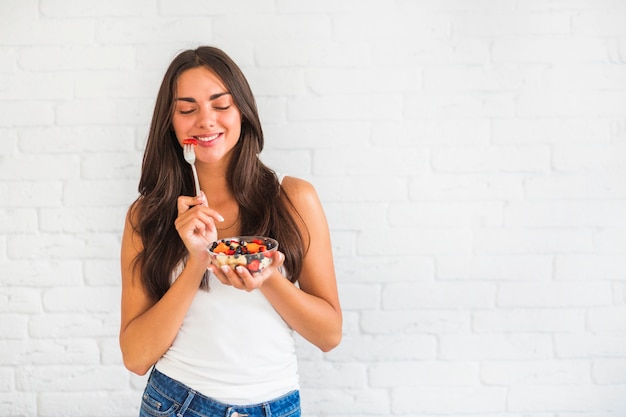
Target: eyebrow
<point>211,98</point>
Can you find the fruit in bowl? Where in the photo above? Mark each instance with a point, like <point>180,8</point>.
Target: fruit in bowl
<point>253,252</point>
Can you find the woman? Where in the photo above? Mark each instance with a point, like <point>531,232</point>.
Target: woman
<point>219,341</point>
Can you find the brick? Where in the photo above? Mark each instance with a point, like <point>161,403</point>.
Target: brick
<point>14,221</point>
<point>438,295</point>
<point>112,166</point>
<point>48,167</point>
<point>314,135</point>
<point>425,242</point>
<point>376,348</point>
<point>423,374</point>
<point>359,296</point>
<point>528,320</point>
<point>18,404</point>
<point>552,130</point>
<point>349,402</point>
<point>555,294</point>
<point>76,57</point>
<point>598,23</point>
<point>609,371</point>
<point>345,107</point>
<point>73,326</point>
<point>36,86</point>
<point>467,187</point>
<point>497,268</point>
<point>571,104</point>
<point>107,112</point>
<point>412,321</point>
<point>569,50</point>
<point>100,193</point>
<point>353,215</point>
<point>116,84</point>
<point>447,214</point>
<point>424,51</point>
<point>577,158</point>
<point>507,23</point>
<point>610,241</point>
<point>514,346</point>
<point>25,31</point>
<point>77,8</point>
<point>68,377</point>
<point>296,163</point>
<point>481,78</point>
<point>339,375</point>
<point>278,27</point>
<point>64,247</point>
<point>353,81</point>
<point>436,400</point>
<point>13,326</point>
<point>26,113</point>
<point>589,267</point>
<point>202,7</point>
<point>577,186</point>
<point>29,352</point>
<point>120,402</point>
<point>385,269</point>
<point>66,140</point>
<point>102,272</point>
<point>80,299</point>
<point>334,162</point>
<point>21,194</point>
<point>535,373</point>
<point>358,190</point>
<point>572,398</point>
<point>584,345</point>
<point>7,376</point>
<point>416,133</point>
<point>81,220</point>
<point>459,105</point>
<point>20,300</point>
<point>609,319</point>
<point>565,214</point>
<point>311,53</point>
<point>533,241</point>
<point>8,59</point>
<point>392,27</point>
<point>491,159</point>
<point>41,273</point>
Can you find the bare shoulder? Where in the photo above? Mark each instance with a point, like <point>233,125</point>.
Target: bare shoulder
<point>299,191</point>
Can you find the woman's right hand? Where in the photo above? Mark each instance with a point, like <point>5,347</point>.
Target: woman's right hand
<point>196,224</point>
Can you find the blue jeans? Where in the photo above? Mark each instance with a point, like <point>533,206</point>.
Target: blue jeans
<point>166,397</point>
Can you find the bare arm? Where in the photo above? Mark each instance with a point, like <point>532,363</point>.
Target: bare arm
<point>313,310</point>
<point>148,327</point>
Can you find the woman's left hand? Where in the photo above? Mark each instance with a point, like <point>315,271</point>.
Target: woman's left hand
<point>242,279</point>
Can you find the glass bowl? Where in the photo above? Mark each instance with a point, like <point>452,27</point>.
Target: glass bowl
<point>253,252</point>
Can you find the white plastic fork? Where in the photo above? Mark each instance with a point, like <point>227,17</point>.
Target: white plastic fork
<point>190,156</point>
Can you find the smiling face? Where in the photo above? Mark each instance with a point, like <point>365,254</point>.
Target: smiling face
<point>204,109</point>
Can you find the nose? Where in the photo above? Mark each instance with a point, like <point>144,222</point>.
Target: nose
<point>206,117</point>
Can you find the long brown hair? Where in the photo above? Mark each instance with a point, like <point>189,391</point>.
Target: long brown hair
<point>165,175</point>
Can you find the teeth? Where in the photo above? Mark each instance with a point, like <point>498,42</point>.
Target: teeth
<point>208,138</point>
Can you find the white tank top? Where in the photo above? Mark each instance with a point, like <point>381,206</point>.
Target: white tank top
<point>233,347</point>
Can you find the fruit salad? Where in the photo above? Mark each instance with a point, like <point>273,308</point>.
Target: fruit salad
<point>253,252</point>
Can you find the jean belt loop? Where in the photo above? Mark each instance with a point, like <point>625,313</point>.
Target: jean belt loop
<point>267,409</point>
<point>186,403</point>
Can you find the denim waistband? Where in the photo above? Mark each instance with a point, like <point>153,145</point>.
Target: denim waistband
<point>201,405</point>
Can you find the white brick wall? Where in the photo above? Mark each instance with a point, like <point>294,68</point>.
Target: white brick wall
<point>469,153</point>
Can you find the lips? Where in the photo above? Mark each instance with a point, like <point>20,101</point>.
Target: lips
<point>208,140</point>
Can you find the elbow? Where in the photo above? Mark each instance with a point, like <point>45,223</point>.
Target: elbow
<point>135,363</point>
<point>136,367</point>
<point>330,342</point>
